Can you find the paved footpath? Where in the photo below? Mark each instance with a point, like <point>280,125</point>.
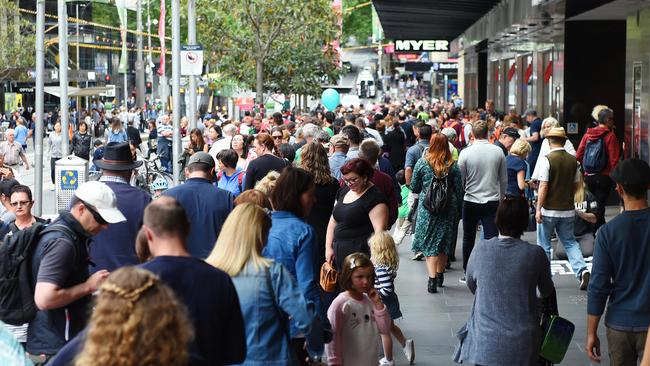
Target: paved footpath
<point>433,319</point>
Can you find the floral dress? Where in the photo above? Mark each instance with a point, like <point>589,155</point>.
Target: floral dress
<point>434,233</point>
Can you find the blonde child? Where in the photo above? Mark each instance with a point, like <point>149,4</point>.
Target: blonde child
<point>357,315</point>
<point>386,261</point>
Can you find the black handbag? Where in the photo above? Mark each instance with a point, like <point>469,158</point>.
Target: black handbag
<point>530,197</point>
<point>532,221</point>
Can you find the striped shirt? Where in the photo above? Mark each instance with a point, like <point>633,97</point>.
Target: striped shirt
<point>162,128</point>
<point>384,277</point>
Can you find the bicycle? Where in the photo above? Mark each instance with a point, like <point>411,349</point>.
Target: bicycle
<point>153,170</point>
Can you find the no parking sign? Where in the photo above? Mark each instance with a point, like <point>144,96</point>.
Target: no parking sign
<point>191,60</point>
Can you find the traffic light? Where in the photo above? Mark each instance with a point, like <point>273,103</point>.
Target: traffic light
<point>108,78</point>
<point>148,87</point>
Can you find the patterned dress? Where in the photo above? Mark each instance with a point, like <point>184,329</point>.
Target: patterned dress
<point>434,233</point>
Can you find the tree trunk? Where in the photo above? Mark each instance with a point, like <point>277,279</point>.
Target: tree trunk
<point>259,87</point>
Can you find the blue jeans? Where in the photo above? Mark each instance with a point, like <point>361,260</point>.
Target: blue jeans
<point>563,226</point>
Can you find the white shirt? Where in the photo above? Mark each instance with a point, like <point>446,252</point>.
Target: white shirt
<point>219,145</point>
<point>545,149</point>
<point>375,135</point>
<point>544,166</point>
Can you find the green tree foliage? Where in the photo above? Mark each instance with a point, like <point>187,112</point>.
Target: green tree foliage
<point>357,23</point>
<point>277,45</point>
<point>17,37</point>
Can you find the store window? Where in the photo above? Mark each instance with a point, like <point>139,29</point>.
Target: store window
<point>511,80</point>
<point>548,94</point>
<point>497,75</point>
<point>528,81</point>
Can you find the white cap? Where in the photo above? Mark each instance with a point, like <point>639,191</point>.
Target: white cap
<point>102,198</point>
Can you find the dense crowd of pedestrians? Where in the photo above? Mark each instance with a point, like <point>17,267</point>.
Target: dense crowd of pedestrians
<point>226,267</point>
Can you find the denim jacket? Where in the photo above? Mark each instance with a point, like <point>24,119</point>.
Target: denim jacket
<point>292,242</point>
<point>267,298</point>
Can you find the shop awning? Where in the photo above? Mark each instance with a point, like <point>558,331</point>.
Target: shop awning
<point>77,92</point>
<point>429,19</point>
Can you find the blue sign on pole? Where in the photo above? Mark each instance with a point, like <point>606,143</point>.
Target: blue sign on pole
<point>69,179</point>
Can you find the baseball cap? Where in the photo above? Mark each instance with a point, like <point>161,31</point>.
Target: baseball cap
<point>631,172</point>
<point>102,198</point>
<point>201,157</point>
<point>340,140</point>
<point>512,132</point>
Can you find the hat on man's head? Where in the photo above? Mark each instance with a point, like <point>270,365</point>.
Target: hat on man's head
<point>340,140</point>
<point>512,132</point>
<point>530,112</point>
<point>631,172</point>
<point>201,157</point>
<point>556,132</point>
<point>102,199</point>
<point>6,185</point>
<point>117,156</point>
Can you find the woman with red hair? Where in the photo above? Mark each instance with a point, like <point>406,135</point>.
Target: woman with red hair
<point>434,232</point>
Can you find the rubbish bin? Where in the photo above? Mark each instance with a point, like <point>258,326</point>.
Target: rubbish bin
<point>69,172</point>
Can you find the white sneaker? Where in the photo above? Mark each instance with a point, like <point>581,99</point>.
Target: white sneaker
<point>385,362</point>
<point>409,351</point>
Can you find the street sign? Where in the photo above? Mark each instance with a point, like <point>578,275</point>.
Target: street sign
<point>191,60</point>
<point>110,92</point>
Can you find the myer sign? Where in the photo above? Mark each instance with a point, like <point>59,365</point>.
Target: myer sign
<point>422,46</point>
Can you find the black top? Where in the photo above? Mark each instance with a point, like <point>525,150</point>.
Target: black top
<point>81,144</point>
<point>352,220</point>
<point>213,309</point>
<point>62,261</point>
<point>395,145</point>
<point>320,216</point>
<point>260,167</point>
<point>13,228</point>
<point>589,205</point>
<point>134,135</point>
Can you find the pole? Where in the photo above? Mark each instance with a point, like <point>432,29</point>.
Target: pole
<point>40,90</point>
<point>77,27</point>
<point>63,74</point>
<point>191,39</point>
<point>149,56</point>
<point>139,63</point>
<point>176,86</point>
<point>126,88</point>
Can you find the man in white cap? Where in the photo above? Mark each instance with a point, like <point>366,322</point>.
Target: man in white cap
<point>60,269</point>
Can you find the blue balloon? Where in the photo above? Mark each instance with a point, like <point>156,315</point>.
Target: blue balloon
<point>330,99</point>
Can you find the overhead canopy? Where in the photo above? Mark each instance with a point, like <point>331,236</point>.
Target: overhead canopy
<point>429,19</point>
<point>78,92</point>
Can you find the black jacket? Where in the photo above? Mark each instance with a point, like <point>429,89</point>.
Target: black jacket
<point>81,145</point>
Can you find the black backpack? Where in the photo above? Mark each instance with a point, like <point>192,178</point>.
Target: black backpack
<point>595,158</point>
<point>17,284</point>
<point>438,197</point>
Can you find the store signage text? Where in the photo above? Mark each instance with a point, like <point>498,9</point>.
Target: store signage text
<point>422,46</point>
<point>445,66</point>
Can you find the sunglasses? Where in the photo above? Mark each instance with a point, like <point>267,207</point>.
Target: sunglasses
<point>277,137</point>
<point>20,203</point>
<point>100,220</point>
